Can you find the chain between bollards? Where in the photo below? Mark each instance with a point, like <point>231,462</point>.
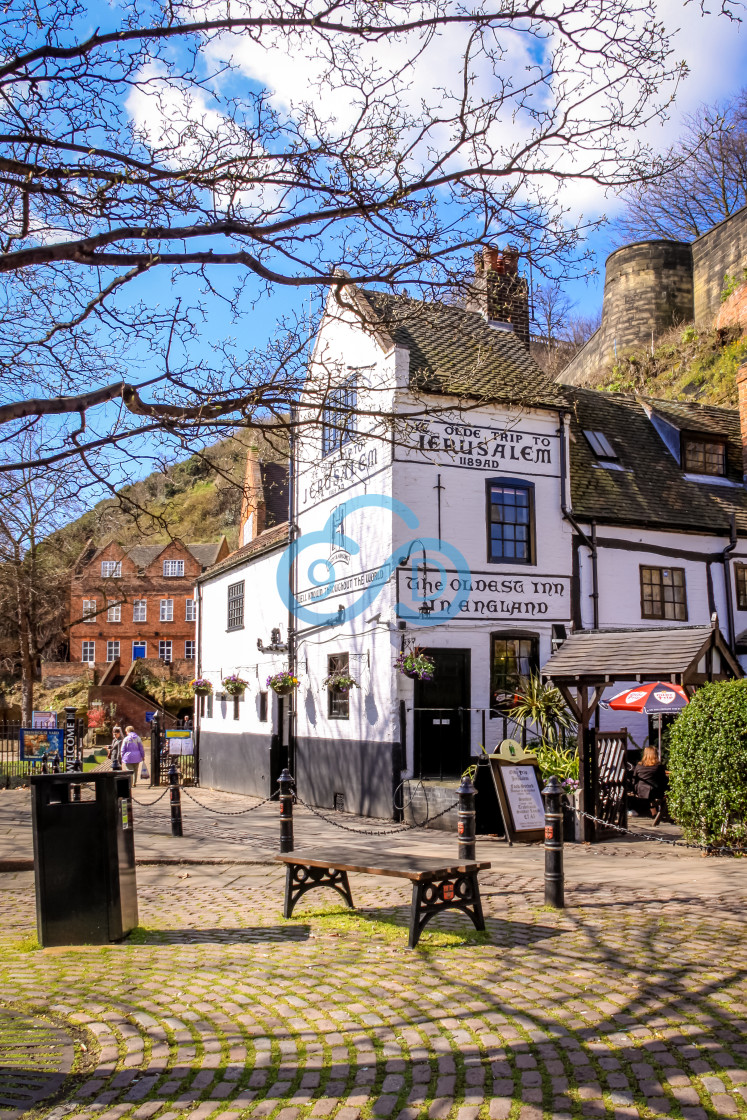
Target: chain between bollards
<point>176,801</point>
<point>285,781</point>
<point>466,819</point>
<point>554,879</point>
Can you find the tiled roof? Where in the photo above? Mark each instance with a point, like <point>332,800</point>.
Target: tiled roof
<point>457,353</point>
<point>651,489</point>
<point>144,554</point>
<point>626,654</point>
<point>265,542</point>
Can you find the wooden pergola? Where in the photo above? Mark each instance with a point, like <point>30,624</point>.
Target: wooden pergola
<point>589,661</point>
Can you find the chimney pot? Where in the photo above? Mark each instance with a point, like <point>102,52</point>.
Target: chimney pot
<point>742,394</point>
<point>498,293</point>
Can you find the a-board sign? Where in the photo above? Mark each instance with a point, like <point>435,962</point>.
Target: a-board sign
<point>180,742</point>
<point>517,778</point>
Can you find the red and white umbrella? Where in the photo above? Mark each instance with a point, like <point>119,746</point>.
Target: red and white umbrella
<point>653,699</point>
<point>650,698</point>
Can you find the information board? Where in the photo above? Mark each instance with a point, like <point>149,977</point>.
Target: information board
<point>517,778</point>
<point>180,742</point>
<point>44,719</point>
<point>35,742</point>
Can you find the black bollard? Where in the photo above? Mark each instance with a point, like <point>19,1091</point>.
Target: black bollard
<point>285,781</point>
<point>77,768</point>
<point>175,795</point>
<point>554,880</point>
<point>45,767</point>
<point>55,763</point>
<point>466,818</point>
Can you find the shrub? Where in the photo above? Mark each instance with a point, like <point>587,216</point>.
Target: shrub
<point>708,765</point>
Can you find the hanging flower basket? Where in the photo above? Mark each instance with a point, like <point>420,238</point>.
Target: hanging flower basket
<point>340,682</point>
<point>201,687</point>
<point>234,685</point>
<point>282,683</point>
<point>413,663</point>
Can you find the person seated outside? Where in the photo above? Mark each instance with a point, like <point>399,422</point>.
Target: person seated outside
<point>650,782</point>
<point>133,752</point>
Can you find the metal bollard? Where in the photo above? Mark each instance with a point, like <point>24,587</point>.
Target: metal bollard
<point>285,781</point>
<point>45,759</point>
<point>175,795</point>
<point>56,763</point>
<point>554,879</point>
<point>466,818</point>
<point>77,768</point>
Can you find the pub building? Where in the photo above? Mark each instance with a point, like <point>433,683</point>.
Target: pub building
<point>450,495</point>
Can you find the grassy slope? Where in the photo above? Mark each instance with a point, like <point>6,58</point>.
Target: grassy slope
<point>686,364</point>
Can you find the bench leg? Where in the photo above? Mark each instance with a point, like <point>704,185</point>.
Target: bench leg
<point>300,879</point>
<point>430,897</point>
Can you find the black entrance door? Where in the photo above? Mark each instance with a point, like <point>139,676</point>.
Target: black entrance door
<point>442,717</point>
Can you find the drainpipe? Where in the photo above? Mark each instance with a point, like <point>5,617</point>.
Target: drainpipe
<point>591,543</point>
<point>292,638</point>
<point>725,558</point>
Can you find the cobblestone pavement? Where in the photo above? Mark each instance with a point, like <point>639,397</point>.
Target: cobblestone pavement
<point>626,1004</point>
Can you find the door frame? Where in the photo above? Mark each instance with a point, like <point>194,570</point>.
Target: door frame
<point>464,712</point>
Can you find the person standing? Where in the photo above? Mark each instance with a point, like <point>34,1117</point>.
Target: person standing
<point>133,752</point>
<point>115,750</point>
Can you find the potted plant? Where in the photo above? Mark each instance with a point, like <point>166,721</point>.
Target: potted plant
<point>282,683</point>
<point>234,685</point>
<point>201,687</point>
<point>340,682</point>
<point>415,664</point>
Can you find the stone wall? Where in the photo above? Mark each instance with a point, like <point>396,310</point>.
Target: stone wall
<point>733,312</point>
<point>721,251</point>
<point>56,674</point>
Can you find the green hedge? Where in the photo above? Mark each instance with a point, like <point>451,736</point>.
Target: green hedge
<point>708,765</point>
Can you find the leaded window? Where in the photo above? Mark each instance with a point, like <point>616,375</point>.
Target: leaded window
<point>663,593</point>
<point>338,419</point>
<point>236,605</point>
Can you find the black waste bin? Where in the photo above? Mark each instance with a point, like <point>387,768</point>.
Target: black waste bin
<point>84,858</point>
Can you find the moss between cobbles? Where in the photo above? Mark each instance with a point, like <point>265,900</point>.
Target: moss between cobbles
<point>389,928</point>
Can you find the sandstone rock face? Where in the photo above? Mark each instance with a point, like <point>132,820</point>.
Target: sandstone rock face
<point>733,312</point>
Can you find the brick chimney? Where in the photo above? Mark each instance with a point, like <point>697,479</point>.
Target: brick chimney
<point>253,512</point>
<point>498,293</point>
<point>742,391</point>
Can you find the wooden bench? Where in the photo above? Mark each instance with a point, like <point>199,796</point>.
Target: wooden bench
<point>437,884</point>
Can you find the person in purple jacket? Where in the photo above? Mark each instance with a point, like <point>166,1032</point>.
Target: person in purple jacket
<point>133,752</point>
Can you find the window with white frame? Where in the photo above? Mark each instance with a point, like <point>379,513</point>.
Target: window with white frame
<point>88,651</point>
<point>173,568</point>
<point>139,610</point>
<point>190,610</point>
<point>111,569</point>
<point>112,651</point>
<point>189,650</point>
<point>167,610</point>
<point>89,610</point>
<point>164,651</point>
<point>114,611</point>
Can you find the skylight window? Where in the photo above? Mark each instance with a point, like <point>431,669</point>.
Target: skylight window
<point>600,445</point>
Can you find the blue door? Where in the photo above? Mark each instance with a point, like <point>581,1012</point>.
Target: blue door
<point>138,650</point>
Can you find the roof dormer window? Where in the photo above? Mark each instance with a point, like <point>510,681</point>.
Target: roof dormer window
<point>701,455</point>
<point>600,446</point>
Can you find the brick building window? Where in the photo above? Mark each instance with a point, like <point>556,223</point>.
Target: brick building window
<point>663,593</point>
<point>89,610</point>
<point>88,651</point>
<point>236,606</point>
<point>111,569</point>
<point>114,611</point>
<point>112,651</point>
<point>190,610</point>
<point>189,650</point>
<point>740,574</point>
<point>703,456</point>
<point>139,610</point>
<point>164,651</point>
<point>167,610</point>
<point>510,522</point>
<point>338,703</point>
<point>173,568</point>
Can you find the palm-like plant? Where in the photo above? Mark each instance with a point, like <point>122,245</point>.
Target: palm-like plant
<point>542,705</point>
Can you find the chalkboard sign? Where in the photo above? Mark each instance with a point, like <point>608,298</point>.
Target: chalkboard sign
<point>518,782</point>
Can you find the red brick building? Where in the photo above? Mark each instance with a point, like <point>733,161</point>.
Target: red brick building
<point>136,601</point>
